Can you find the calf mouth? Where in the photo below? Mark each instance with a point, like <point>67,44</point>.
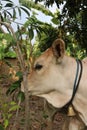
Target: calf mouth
<point>39,93</point>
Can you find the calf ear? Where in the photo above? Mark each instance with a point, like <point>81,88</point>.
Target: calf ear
<point>58,48</point>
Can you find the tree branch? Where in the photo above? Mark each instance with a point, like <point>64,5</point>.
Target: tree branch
<point>17,50</point>
<point>20,57</point>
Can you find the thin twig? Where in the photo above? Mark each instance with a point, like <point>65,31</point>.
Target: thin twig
<point>16,117</point>
<point>27,109</point>
<point>2,29</point>
<point>10,28</point>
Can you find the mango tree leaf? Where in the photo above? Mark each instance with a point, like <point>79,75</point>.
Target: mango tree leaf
<point>38,33</point>
<point>8,0</point>
<point>2,18</point>
<point>31,4</point>
<point>9,13</point>
<point>5,14</point>
<point>19,11</point>
<point>25,10</point>
<point>31,33</point>
<point>14,14</point>
<point>9,5</point>
<point>55,21</point>
<point>0,7</point>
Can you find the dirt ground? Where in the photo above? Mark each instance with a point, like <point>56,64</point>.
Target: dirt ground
<point>39,111</point>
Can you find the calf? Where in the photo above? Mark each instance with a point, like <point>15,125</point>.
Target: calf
<point>53,76</point>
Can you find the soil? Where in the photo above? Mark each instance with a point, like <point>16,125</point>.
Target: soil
<point>40,111</point>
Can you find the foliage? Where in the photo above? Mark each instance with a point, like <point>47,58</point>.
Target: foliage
<point>5,44</point>
<point>19,42</point>
<point>47,38</point>
<point>39,7</point>
<point>69,18</point>
<point>9,10</point>
<point>22,38</point>
<point>74,49</point>
<point>1,127</point>
<point>46,33</point>
<point>27,32</point>
<point>51,2</point>
<point>8,14</point>
<point>15,89</point>
<point>6,109</point>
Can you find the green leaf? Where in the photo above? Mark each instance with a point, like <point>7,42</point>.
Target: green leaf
<point>45,116</point>
<point>13,108</point>
<point>13,87</point>
<point>9,5</point>
<point>55,21</point>
<point>6,122</point>
<point>19,11</point>
<point>9,116</point>
<point>2,18</point>
<point>9,13</point>
<point>14,14</point>
<point>13,103</point>
<point>1,127</point>
<point>8,63</point>
<point>21,96</point>
<point>31,33</point>
<point>5,15</point>
<point>8,37</point>
<point>10,54</point>
<point>19,74</point>
<point>0,7</point>
<point>25,10</point>
<point>31,4</point>
<point>38,33</point>
<point>8,0</point>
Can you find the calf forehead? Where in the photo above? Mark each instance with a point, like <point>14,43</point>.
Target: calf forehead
<point>46,57</point>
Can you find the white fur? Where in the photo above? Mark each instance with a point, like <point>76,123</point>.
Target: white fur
<point>55,82</point>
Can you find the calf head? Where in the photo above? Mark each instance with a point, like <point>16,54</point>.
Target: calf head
<point>42,76</point>
<point>46,76</point>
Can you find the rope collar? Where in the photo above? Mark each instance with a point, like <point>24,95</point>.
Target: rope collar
<point>76,82</point>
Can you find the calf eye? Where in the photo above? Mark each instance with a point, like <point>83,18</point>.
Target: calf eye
<point>38,67</point>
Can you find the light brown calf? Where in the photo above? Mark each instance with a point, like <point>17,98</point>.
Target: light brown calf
<point>52,77</point>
